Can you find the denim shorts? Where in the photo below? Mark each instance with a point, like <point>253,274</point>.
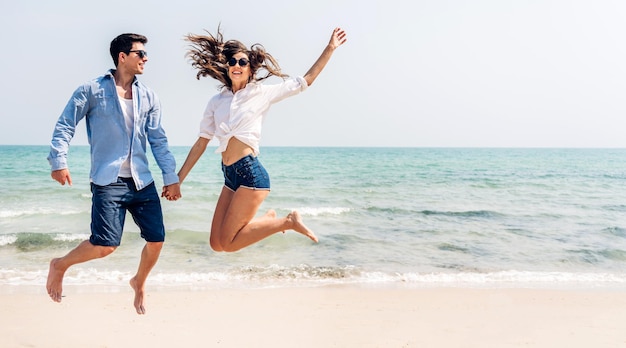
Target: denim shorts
<point>108,211</point>
<point>247,172</point>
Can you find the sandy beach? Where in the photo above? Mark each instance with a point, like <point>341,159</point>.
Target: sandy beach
<point>345,316</point>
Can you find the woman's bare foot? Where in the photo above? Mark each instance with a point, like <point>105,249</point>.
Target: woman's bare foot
<point>138,296</point>
<point>299,226</point>
<point>54,284</point>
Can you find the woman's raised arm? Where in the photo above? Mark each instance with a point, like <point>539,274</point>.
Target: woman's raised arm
<point>337,39</point>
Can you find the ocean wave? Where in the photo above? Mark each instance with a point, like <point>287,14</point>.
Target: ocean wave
<point>615,231</point>
<point>597,256</point>
<point>614,254</point>
<point>35,241</point>
<point>452,247</point>
<point>18,213</point>
<point>40,211</point>
<point>275,276</point>
<point>309,211</point>
<point>7,239</point>
<point>296,273</point>
<point>70,237</point>
<point>469,213</point>
<point>616,207</point>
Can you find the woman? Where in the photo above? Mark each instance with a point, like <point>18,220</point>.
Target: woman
<point>234,117</point>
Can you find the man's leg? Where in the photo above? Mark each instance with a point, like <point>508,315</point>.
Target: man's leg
<point>85,251</point>
<point>148,215</point>
<point>149,256</point>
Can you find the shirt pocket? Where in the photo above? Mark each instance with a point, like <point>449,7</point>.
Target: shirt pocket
<point>103,106</point>
<point>144,117</point>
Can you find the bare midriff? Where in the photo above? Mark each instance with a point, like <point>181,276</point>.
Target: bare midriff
<point>235,151</point>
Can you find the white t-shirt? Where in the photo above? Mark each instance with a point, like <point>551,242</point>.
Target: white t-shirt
<point>241,114</point>
<point>129,118</point>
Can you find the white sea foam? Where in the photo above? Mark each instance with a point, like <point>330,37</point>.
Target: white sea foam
<point>38,211</point>
<point>310,211</point>
<point>7,239</point>
<point>68,237</point>
<point>508,279</point>
<point>18,213</point>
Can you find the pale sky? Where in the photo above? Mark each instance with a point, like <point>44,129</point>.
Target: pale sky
<point>436,73</point>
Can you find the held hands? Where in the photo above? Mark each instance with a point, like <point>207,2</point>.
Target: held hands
<point>171,192</point>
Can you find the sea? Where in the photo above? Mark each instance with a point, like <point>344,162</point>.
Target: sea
<point>385,217</point>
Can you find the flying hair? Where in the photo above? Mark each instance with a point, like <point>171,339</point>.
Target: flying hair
<point>209,54</point>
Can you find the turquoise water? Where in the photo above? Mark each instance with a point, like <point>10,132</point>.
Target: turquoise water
<point>384,216</point>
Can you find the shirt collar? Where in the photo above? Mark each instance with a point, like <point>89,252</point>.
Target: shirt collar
<point>112,71</point>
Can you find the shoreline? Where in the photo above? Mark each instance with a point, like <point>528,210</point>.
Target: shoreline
<point>326,316</point>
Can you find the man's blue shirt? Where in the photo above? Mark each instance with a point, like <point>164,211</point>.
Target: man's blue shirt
<point>97,101</point>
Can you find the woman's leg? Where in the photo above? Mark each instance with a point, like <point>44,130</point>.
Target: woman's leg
<point>223,202</point>
<point>234,226</point>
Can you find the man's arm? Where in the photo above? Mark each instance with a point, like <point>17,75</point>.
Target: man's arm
<point>159,145</point>
<point>64,131</point>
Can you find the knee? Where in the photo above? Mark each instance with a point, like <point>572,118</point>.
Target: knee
<point>221,246</point>
<point>106,250</point>
<point>215,245</point>
<point>154,246</point>
<point>229,248</point>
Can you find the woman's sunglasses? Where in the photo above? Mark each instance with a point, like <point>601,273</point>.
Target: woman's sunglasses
<point>242,62</point>
<point>141,53</point>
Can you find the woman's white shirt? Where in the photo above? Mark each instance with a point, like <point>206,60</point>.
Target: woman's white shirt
<point>241,114</point>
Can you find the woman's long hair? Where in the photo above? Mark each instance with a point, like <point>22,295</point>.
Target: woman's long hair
<point>210,54</point>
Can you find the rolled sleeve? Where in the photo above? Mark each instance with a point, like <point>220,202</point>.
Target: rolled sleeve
<point>288,88</point>
<point>207,124</point>
<point>170,178</point>
<point>57,163</point>
<point>303,84</point>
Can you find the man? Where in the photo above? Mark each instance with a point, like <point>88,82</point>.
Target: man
<point>121,115</point>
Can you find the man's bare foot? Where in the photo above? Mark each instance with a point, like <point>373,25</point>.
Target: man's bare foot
<point>138,296</point>
<point>54,284</point>
<point>299,226</point>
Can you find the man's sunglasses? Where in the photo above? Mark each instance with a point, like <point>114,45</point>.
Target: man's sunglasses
<point>141,53</point>
<point>242,62</point>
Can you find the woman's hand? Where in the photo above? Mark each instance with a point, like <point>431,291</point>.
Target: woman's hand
<point>338,38</point>
<point>171,192</point>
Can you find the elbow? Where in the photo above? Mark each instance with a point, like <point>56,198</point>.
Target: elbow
<point>202,143</point>
<point>308,78</point>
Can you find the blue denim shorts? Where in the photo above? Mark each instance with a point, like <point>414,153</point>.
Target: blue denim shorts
<point>108,211</point>
<point>247,172</point>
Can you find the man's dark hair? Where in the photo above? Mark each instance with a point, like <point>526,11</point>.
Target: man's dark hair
<point>124,43</point>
